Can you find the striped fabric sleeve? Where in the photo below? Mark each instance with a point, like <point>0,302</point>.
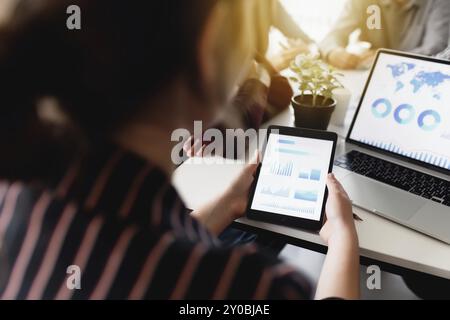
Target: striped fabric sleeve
<point>131,238</point>
<point>3,256</point>
<point>193,272</point>
<point>168,267</point>
<point>176,217</point>
<point>120,261</point>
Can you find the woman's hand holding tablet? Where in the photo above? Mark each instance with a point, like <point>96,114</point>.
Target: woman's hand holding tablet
<point>290,185</point>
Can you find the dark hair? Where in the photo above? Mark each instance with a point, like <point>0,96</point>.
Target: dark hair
<point>100,75</point>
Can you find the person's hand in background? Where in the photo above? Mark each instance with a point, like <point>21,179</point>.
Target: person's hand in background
<point>288,53</point>
<point>366,60</point>
<point>341,59</point>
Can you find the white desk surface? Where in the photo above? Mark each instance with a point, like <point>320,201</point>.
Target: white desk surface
<point>379,238</point>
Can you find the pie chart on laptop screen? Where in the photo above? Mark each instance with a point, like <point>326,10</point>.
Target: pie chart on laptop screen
<point>406,109</point>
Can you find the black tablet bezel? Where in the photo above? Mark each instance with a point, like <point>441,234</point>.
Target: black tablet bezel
<point>280,219</point>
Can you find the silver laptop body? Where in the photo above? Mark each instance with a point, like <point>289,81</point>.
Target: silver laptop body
<point>403,118</point>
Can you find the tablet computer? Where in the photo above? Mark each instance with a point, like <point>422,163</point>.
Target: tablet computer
<point>290,184</point>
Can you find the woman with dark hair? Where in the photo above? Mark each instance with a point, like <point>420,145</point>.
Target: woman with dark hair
<point>86,118</point>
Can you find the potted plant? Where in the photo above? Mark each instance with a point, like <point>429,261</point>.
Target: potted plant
<point>314,105</point>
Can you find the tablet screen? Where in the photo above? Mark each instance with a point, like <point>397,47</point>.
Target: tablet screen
<point>292,180</point>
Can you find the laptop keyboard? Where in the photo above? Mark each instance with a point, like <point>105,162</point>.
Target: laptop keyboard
<point>409,180</point>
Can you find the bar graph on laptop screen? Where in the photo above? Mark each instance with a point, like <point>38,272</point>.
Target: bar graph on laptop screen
<point>406,110</point>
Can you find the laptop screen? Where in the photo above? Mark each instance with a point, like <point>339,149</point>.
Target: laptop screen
<point>405,109</point>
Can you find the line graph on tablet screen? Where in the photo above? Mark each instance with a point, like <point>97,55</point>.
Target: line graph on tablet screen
<point>282,169</point>
<point>276,191</point>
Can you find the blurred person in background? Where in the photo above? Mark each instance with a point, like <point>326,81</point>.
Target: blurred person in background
<point>86,120</point>
<point>416,26</point>
<point>259,98</point>
<point>264,93</point>
<point>272,14</point>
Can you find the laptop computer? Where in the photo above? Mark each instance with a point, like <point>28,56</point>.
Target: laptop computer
<point>397,154</point>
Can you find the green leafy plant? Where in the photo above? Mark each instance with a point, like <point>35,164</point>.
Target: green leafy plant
<point>315,77</point>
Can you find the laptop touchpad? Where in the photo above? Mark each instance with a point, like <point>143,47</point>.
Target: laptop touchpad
<point>386,200</point>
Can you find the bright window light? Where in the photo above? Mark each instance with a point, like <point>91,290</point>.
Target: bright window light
<point>316,17</point>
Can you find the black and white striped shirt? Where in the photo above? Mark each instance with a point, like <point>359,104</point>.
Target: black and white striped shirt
<point>117,218</point>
